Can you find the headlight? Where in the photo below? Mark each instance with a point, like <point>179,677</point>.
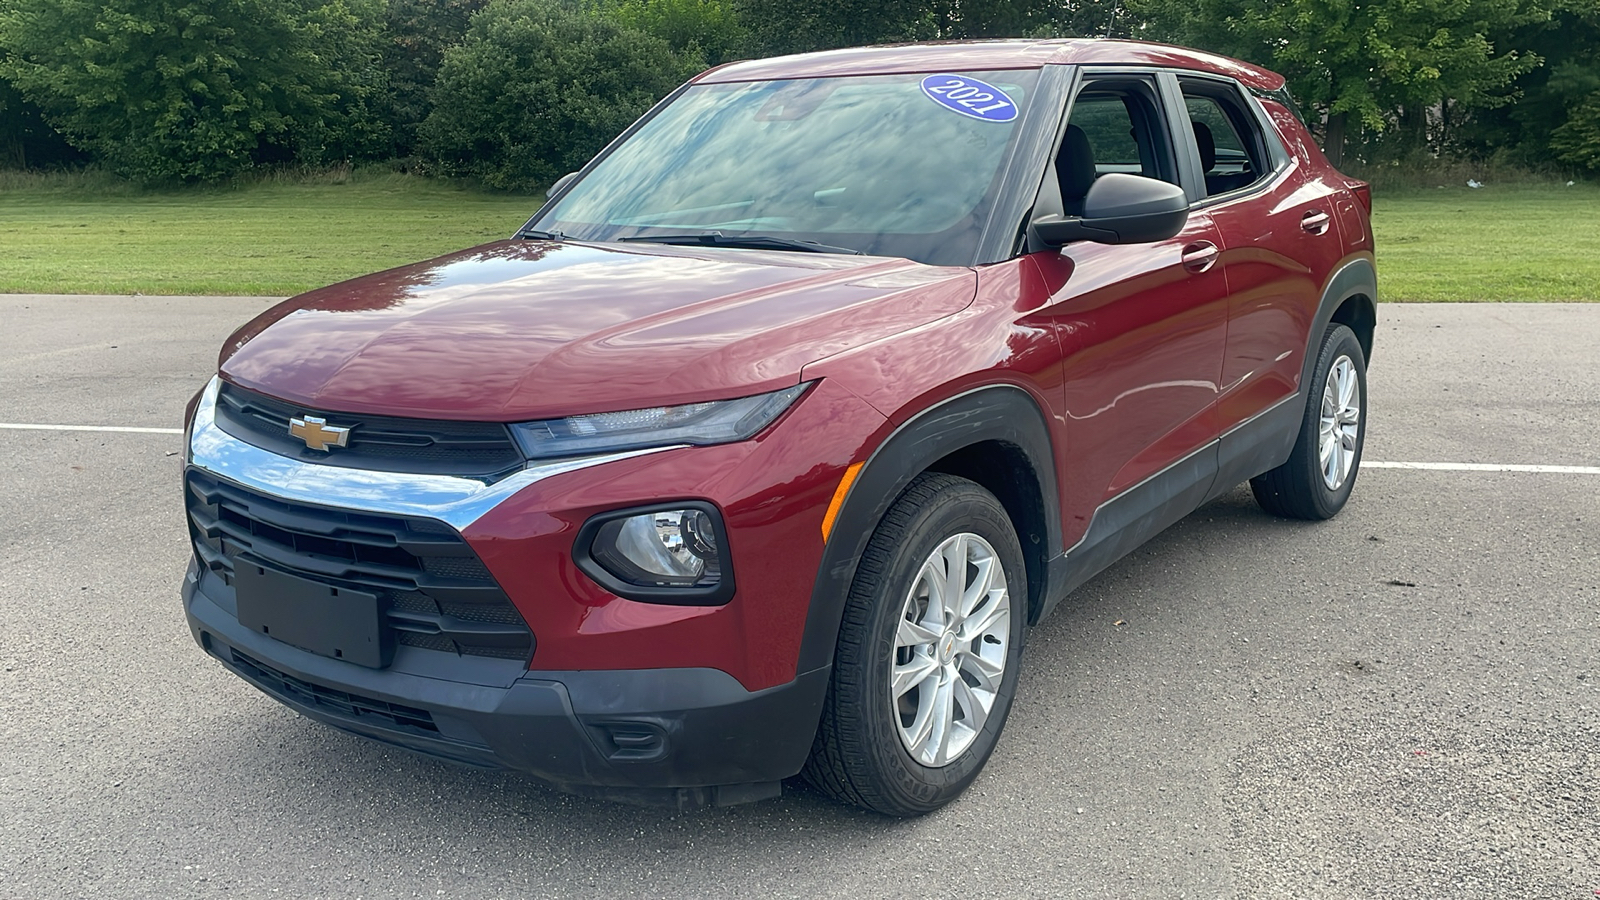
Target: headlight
<point>672,553</point>
<point>715,422</point>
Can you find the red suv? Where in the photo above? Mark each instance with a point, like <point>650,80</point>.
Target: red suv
<point>759,448</point>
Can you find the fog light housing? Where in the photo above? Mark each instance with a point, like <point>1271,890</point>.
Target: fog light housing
<point>667,553</point>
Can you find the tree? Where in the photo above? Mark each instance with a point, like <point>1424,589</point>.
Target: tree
<point>709,29</point>
<point>417,33</point>
<point>1379,64</point>
<point>783,26</point>
<point>1574,84</point>
<point>26,141</point>
<point>1044,18</point>
<point>1559,102</point>
<point>199,89</point>
<point>1577,141</point>
<point>538,87</point>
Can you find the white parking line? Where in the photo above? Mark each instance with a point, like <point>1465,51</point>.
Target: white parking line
<point>1482,467</point>
<point>17,426</point>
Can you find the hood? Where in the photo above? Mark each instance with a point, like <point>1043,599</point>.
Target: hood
<point>520,330</point>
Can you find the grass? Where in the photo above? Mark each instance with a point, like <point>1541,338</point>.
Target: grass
<point>88,233</point>
<point>1517,242</point>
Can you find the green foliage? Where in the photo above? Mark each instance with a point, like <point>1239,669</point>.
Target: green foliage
<point>1374,61</point>
<point>539,86</point>
<point>1042,18</point>
<point>196,90</point>
<point>417,33</point>
<point>1578,140</point>
<point>1555,111</point>
<point>517,92</point>
<point>25,138</point>
<point>784,26</point>
<point>707,28</point>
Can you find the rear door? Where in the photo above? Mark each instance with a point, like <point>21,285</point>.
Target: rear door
<point>1279,244</point>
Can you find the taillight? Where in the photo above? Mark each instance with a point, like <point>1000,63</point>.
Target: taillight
<point>1363,192</point>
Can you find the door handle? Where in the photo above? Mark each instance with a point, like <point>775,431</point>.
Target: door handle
<point>1315,221</point>
<point>1200,256</point>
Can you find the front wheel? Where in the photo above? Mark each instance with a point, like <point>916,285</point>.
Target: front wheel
<point>928,652</point>
<point>1320,473</point>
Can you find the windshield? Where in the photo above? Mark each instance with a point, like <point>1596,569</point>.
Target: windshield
<point>888,165</point>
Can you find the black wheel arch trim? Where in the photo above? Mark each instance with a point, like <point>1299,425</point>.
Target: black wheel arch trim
<point>1355,277</point>
<point>1003,412</point>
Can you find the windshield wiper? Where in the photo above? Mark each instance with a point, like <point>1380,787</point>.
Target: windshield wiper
<point>532,234</point>
<point>750,241</point>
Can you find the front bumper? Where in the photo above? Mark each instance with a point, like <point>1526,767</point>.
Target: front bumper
<point>678,737</point>
<point>683,705</point>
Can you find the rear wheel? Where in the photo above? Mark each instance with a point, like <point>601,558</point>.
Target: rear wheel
<point>1316,481</point>
<point>928,652</point>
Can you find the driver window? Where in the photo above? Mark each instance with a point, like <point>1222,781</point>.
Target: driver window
<point>1114,127</point>
<point>1108,126</point>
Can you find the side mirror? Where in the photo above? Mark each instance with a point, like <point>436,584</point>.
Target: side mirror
<point>1120,209</point>
<point>560,183</point>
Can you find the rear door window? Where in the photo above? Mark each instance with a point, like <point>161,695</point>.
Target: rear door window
<point>1227,137</point>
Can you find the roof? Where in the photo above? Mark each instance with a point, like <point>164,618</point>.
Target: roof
<point>977,56</point>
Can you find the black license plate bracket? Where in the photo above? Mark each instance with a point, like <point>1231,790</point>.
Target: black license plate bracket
<point>329,621</point>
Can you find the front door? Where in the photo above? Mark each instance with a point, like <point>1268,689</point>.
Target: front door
<point>1141,326</point>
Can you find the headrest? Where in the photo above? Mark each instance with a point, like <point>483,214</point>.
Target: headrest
<point>1207,146</point>
<point>1075,164</point>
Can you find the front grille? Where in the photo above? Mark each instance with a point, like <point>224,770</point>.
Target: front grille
<point>366,710</point>
<point>436,592</point>
<point>383,443</point>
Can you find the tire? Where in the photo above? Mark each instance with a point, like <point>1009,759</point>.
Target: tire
<point>863,751</point>
<point>1304,487</point>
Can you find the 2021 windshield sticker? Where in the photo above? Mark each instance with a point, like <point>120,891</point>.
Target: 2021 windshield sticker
<point>970,97</point>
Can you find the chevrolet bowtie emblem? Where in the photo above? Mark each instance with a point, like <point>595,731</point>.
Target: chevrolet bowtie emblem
<point>318,434</point>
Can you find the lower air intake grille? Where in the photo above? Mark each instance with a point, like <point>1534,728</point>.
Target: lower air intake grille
<point>379,713</point>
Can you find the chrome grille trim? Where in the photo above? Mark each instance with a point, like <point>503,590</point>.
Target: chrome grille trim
<point>456,500</point>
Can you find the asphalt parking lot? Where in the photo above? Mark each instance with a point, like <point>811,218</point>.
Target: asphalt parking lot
<point>1403,702</point>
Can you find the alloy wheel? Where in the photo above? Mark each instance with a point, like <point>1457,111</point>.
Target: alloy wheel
<point>1341,423</point>
<point>950,649</point>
